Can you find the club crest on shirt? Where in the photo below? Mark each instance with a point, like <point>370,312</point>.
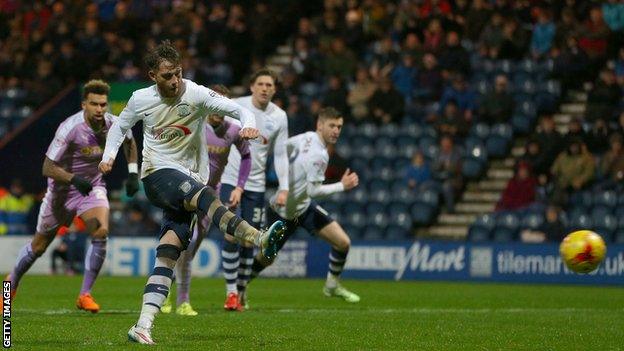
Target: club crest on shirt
<point>184,109</point>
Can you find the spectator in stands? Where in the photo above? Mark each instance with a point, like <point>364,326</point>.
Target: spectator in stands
<point>573,170</point>
<point>447,169</point>
<point>418,172</point>
<point>340,60</point>
<point>433,36</point>
<point>543,34</point>
<point>136,223</point>
<point>336,95</point>
<point>549,139</point>
<point>498,105</point>
<point>552,230</point>
<point>491,37</point>
<point>604,97</point>
<point>453,57</point>
<point>596,137</point>
<point>575,132</point>
<point>571,64</point>
<point>387,104</point>
<point>619,68</point>
<point>404,76</point>
<point>14,209</point>
<point>593,37</point>
<point>520,191</point>
<point>476,19</point>
<point>462,94</point>
<point>299,118</point>
<point>360,93</point>
<point>413,47</point>
<point>451,122</point>
<point>514,45</point>
<point>385,54</point>
<point>611,165</point>
<point>429,79</point>
<point>567,26</point>
<point>305,61</point>
<point>537,160</point>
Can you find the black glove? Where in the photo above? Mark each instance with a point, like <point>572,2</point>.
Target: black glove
<point>83,185</point>
<point>132,184</point>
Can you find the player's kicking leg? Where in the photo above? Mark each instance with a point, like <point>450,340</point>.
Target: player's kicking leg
<point>180,196</point>
<point>340,243</point>
<point>96,220</point>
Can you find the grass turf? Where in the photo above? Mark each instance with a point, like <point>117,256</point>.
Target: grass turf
<point>294,315</point>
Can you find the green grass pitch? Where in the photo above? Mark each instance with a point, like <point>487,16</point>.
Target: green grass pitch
<point>294,315</point>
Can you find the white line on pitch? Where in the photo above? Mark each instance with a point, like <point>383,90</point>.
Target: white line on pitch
<point>424,310</point>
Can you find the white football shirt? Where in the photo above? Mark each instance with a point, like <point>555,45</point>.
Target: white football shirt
<point>173,128</point>
<point>308,161</point>
<point>273,126</point>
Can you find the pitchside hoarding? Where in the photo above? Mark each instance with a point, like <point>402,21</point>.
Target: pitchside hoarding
<point>406,260</point>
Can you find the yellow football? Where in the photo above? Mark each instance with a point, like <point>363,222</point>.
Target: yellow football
<point>583,251</point>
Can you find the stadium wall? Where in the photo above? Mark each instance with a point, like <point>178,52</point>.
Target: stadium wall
<point>404,260</point>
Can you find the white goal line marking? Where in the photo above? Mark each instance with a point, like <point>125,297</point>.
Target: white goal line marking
<point>424,310</point>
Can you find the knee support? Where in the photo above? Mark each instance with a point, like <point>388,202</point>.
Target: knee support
<point>169,251</point>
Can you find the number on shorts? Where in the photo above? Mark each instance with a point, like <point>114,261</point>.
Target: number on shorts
<point>258,215</point>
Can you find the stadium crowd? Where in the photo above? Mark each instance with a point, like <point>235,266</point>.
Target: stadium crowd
<point>379,62</point>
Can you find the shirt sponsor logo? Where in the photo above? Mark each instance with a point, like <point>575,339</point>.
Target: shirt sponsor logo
<point>170,132</point>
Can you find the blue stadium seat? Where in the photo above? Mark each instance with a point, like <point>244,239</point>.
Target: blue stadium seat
<point>344,149</point>
<point>607,199</point>
<point>507,226</point>
<point>600,211</point>
<point>503,130</point>
<point>618,238</point>
<point>472,168</point>
<point>381,195</point>
<point>351,207</point>
<point>405,140</point>
<point>480,130</point>
<point>579,222</point>
<point>412,130</point>
<point>373,232</point>
<point>369,130</point>
<point>478,152</point>
<point>482,228</point>
<point>522,124</point>
<point>497,146</point>
<point>430,151</point>
<point>407,151</point>
<point>402,220</point>
<point>400,163</point>
<point>337,197</point>
<point>382,141</point>
<point>504,235</point>
<point>394,232</point>
<point>377,184</point>
<point>582,199</point>
<point>331,207</point>
<point>408,196</point>
<point>386,174</point>
<point>527,108</point>
<point>605,225</point>
<point>505,67</point>
<point>526,66</point>
<point>422,213</point>
<point>390,130</point>
<point>375,207</point>
<point>379,162</point>
<point>359,165</point>
<point>472,141</point>
<point>358,195</point>
<point>378,219</point>
<point>355,219</point>
<point>428,197</point>
<point>532,221</point>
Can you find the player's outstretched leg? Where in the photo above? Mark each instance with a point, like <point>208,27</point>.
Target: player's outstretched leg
<point>336,236</point>
<point>229,223</point>
<point>156,290</point>
<point>230,263</point>
<point>25,259</point>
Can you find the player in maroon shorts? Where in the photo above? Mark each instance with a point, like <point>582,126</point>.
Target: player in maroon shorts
<point>76,187</point>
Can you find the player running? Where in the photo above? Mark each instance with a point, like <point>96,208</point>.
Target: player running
<point>308,162</point>
<point>175,169</point>
<point>220,136</point>
<point>76,187</point>
<point>273,125</point>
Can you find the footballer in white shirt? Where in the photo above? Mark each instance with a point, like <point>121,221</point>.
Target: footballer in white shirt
<point>272,123</point>
<point>175,169</point>
<point>308,162</point>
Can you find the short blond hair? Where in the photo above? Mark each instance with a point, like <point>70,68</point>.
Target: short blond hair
<point>95,86</point>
